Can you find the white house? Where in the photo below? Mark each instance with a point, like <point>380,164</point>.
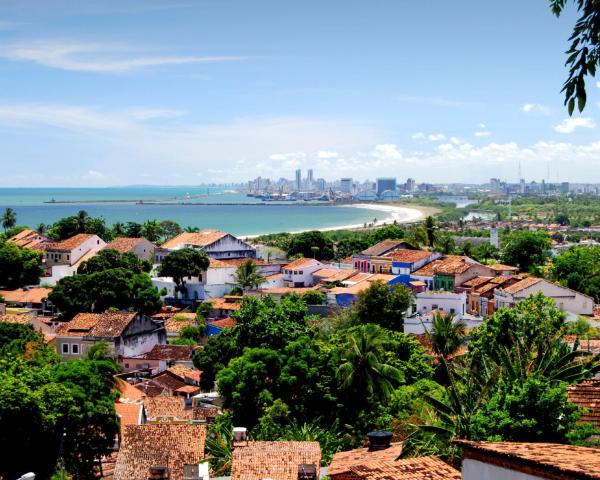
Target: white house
<point>142,248</point>
<point>565,298</point>
<point>449,302</point>
<point>299,273</point>
<point>63,258</point>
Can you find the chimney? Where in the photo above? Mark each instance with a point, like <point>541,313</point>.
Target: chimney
<point>240,436</point>
<point>158,472</point>
<point>307,471</point>
<point>379,440</point>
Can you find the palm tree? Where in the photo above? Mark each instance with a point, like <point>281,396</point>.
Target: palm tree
<point>363,372</point>
<point>41,228</point>
<point>118,229</point>
<point>247,275</point>
<point>219,448</point>
<point>431,230</point>
<point>189,229</point>
<point>447,334</point>
<point>9,219</point>
<point>80,220</point>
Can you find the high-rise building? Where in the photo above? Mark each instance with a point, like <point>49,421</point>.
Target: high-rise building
<point>384,184</point>
<point>564,188</point>
<point>309,177</point>
<point>495,185</point>
<point>346,185</point>
<point>298,184</point>
<point>494,237</point>
<point>410,185</point>
<point>320,184</point>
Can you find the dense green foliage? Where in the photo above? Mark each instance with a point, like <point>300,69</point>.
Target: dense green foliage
<point>383,305</point>
<point>579,268</point>
<point>19,266</point>
<point>526,249</point>
<point>186,262</point>
<point>108,259</point>
<point>312,244</point>
<point>248,276</point>
<point>113,288</point>
<point>48,407</point>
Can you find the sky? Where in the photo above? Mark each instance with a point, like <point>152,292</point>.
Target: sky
<point>184,92</point>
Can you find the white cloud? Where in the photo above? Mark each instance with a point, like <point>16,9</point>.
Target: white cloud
<point>99,57</point>
<point>326,154</point>
<point>535,108</point>
<point>482,125</point>
<point>432,137</point>
<point>483,134</point>
<point>598,84</point>
<point>568,125</point>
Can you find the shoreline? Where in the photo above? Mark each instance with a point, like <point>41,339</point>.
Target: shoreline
<point>401,214</point>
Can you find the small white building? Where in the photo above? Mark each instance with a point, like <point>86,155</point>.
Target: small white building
<point>566,299</point>
<point>299,273</point>
<point>214,243</point>
<point>449,302</point>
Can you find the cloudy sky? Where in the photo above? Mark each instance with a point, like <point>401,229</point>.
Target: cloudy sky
<point>191,91</point>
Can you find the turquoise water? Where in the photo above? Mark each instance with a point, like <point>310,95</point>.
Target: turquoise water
<point>249,217</point>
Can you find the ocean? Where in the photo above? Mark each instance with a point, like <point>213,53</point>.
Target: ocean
<point>189,206</point>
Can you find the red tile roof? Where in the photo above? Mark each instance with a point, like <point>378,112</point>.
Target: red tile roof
<point>163,408</point>
<point>124,244</point>
<point>170,352</point>
<point>383,247</point>
<point>128,391</point>
<point>274,460</point>
<point>202,238</point>
<point>562,461</point>
<point>408,256</point>
<point>174,445</point>
<point>342,462</point>
<point>107,324</point>
<point>227,322</point>
<point>502,268</point>
<point>128,413</point>
<point>29,295</point>
<point>522,285</point>
<point>70,243</point>
<point>420,468</point>
<point>301,263</point>
<point>587,395</point>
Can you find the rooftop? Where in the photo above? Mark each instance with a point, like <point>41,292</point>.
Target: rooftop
<point>161,407</point>
<point>274,460</point>
<point>202,238</point>
<point>522,285</point>
<point>107,324</point>
<point>227,322</point>
<point>225,304</point>
<point>420,468</point>
<point>29,239</point>
<point>383,247</point>
<point>124,244</point>
<point>498,267</point>
<point>22,319</point>
<point>301,262</point>
<point>450,263</point>
<point>144,446</point>
<point>26,295</point>
<point>70,243</point>
<point>128,413</point>
<point>343,461</point>
<point>408,256</point>
<point>174,325</point>
<point>170,352</point>
<point>587,395</point>
<point>564,461</point>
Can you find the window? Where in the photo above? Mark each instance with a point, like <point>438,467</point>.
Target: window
<point>300,272</point>
<point>68,257</point>
<point>75,349</point>
<point>126,365</point>
<point>65,348</point>
<point>434,307</point>
<point>452,311</point>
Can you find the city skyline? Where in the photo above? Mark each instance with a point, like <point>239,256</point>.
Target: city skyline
<point>175,92</point>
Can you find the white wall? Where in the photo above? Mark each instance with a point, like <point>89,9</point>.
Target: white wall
<point>446,301</point>
<point>476,470</point>
<point>57,272</point>
<point>306,277</point>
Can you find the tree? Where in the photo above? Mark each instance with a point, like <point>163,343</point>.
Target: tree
<point>81,220</point>
<point>446,244</point>
<point>19,266</point>
<point>431,230</point>
<point>303,244</point>
<point>579,268</point>
<point>152,230</point>
<point>133,229</point>
<point>447,334</point>
<point>219,445</point>
<point>417,236</point>
<point>9,219</point>
<point>362,374</point>
<point>384,304</point>
<point>170,228</point>
<point>584,53</point>
<point>186,262</point>
<point>526,250</point>
<point>313,297</point>
<point>41,228</point>
<point>118,229</point>
<point>108,258</point>
<point>248,276</point>
<point>99,351</point>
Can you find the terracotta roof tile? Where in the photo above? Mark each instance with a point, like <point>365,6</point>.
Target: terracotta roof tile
<point>477,281</point>
<point>420,468</point>
<point>274,460</point>
<point>174,445</point>
<point>128,413</point>
<point>182,371</point>
<point>522,285</point>
<point>227,322</point>
<point>112,324</point>
<point>301,263</point>
<point>123,244</point>
<point>202,413</point>
<point>70,243</point>
<point>566,461</point>
<point>173,325</point>
<point>383,247</point>
<point>29,239</point>
<point>408,256</point>
<point>450,263</point>
<point>127,391</point>
<point>169,381</point>
<point>22,319</point>
<point>502,268</point>
<point>225,304</point>
<point>202,238</point>
<point>236,262</point>
<point>29,295</point>
<point>587,395</point>
<point>79,326</point>
<point>170,352</point>
<point>165,407</point>
<point>343,461</point>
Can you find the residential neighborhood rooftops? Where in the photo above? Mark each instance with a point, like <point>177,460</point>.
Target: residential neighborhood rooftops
<point>107,324</point>
<point>124,244</point>
<point>419,468</point>
<point>300,263</point>
<point>129,413</point>
<point>202,238</point>
<point>70,243</point>
<point>26,295</point>
<point>29,239</point>
<point>161,407</point>
<point>475,282</point>
<point>383,247</point>
<point>225,304</point>
<point>342,462</point>
<point>522,285</point>
<point>498,267</point>
<point>175,325</point>
<point>173,445</point>
<point>587,395</point>
<point>170,352</point>
<point>563,461</point>
<point>448,264</point>
<point>21,319</point>
<point>408,256</point>
<point>274,460</point>
<point>223,323</point>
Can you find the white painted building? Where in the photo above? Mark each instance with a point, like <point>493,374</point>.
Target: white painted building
<point>299,273</point>
<point>216,244</point>
<point>566,299</point>
<point>449,302</point>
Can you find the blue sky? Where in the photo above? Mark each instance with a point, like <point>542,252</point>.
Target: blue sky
<point>185,92</point>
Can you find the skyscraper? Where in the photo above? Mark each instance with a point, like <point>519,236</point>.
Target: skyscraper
<point>346,185</point>
<point>384,184</point>
<point>309,177</point>
<point>298,180</point>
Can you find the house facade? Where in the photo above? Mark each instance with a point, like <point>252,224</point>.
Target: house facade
<point>142,248</point>
<point>216,244</point>
<point>299,273</point>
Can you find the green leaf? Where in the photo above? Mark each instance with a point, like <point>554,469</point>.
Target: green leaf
<point>571,106</point>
